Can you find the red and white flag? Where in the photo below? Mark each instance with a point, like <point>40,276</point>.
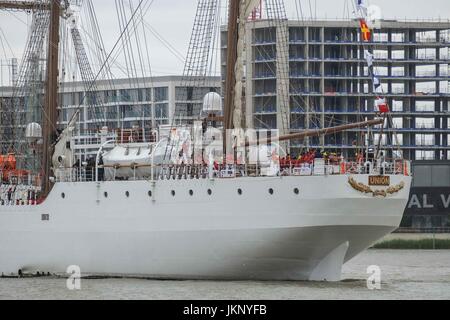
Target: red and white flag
<point>381,106</point>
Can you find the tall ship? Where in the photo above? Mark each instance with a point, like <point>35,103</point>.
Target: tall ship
<point>203,199</point>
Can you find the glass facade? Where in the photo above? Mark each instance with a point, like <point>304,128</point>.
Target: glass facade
<point>125,107</point>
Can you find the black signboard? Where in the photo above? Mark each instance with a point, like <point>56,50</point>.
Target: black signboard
<point>428,200</point>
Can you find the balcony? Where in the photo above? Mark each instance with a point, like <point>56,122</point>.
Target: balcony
<point>425,56</point>
<point>265,110</point>
<point>264,42</point>
<point>338,40</point>
<point>300,74</point>
<point>265,94</point>
<point>296,58</point>
<point>265,59</point>
<point>264,75</point>
<point>297,41</point>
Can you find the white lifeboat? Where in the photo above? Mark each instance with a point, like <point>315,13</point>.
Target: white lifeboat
<point>130,160</point>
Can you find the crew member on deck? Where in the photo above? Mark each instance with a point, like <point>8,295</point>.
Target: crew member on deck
<point>101,170</point>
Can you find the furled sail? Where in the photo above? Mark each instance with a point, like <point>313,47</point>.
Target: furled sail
<point>246,8</point>
<point>63,154</point>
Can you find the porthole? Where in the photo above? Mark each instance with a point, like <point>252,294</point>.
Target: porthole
<point>191,192</point>
<point>209,192</point>
<point>127,194</point>
<point>240,191</point>
<point>296,191</point>
<point>149,194</point>
<point>173,193</point>
<point>63,195</point>
<point>105,194</point>
<point>271,191</point>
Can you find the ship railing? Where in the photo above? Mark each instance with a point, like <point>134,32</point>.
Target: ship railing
<point>18,177</point>
<point>319,167</point>
<point>393,167</point>
<point>83,174</point>
<point>18,195</point>
<point>18,188</point>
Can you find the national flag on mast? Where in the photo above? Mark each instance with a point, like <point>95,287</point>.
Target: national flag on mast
<point>369,58</point>
<point>376,83</point>
<point>366,34</point>
<point>381,105</point>
<point>361,7</point>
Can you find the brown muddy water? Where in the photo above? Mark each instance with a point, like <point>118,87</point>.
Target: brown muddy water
<point>405,274</point>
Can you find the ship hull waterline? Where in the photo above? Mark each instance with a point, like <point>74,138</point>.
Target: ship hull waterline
<point>200,228</point>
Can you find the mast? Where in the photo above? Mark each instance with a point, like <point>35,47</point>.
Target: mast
<point>232,55</point>
<point>234,17</point>
<point>51,95</point>
<point>51,87</point>
<point>319,132</point>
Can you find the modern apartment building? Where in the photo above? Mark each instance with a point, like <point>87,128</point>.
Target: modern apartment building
<point>312,74</point>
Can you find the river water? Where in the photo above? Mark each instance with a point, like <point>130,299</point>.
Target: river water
<point>405,274</point>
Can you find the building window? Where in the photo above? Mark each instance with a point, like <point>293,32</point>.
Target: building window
<point>110,96</point>
<point>425,140</point>
<point>161,111</point>
<point>147,111</point>
<point>125,95</point>
<point>161,94</point>
<point>425,155</point>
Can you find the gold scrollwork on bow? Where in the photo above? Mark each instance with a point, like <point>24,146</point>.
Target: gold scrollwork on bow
<point>361,187</point>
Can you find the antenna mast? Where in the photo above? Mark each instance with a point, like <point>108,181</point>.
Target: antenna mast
<point>51,94</point>
<point>232,55</point>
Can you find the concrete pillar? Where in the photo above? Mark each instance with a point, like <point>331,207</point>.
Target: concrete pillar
<point>172,99</point>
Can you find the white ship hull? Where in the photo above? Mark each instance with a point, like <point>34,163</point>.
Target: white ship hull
<point>256,235</point>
